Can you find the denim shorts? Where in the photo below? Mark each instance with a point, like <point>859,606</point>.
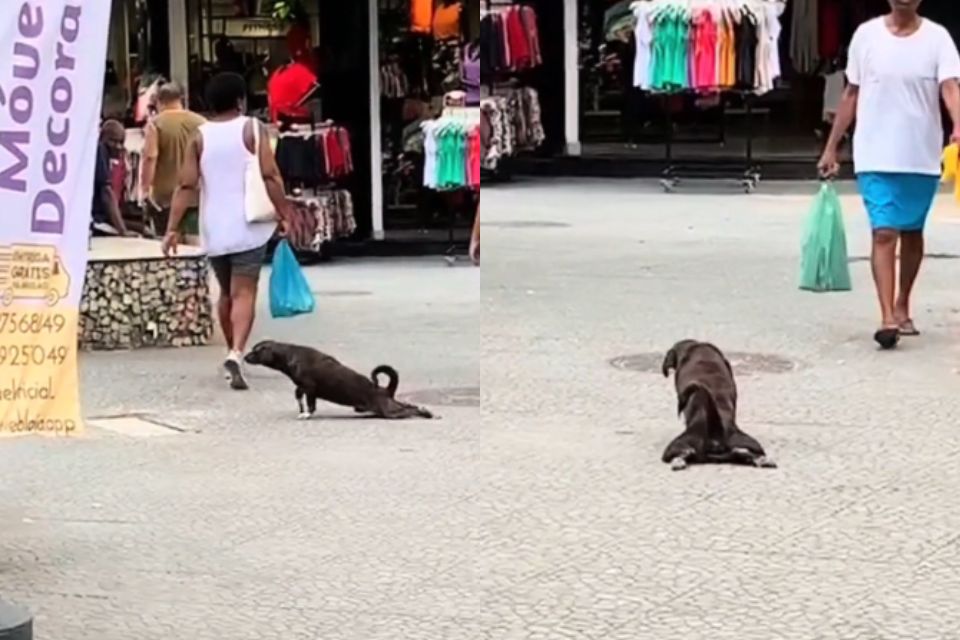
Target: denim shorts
<point>246,264</point>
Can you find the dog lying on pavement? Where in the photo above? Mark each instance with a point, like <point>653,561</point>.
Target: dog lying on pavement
<point>707,399</point>
<point>320,376</point>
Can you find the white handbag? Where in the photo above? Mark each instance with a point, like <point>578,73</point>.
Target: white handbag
<point>256,201</point>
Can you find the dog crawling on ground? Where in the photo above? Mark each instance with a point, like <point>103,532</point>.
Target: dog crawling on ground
<point>707,399</point>
<point>320,376</point>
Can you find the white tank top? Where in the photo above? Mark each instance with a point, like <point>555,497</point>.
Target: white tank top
<point>223,165</point>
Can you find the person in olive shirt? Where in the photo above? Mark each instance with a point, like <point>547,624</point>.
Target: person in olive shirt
<point>167,138</point>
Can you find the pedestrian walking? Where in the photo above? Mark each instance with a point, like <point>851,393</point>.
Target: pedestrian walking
<point>899,67</point>
<point>218,159</point>
<point>166,139</point>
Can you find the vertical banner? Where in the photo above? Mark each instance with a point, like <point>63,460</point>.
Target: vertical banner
<point>52,65</point>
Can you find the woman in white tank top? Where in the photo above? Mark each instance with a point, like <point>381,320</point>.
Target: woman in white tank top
<point>216,164</point>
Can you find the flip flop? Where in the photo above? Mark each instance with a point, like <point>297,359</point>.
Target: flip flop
<point>907,328</point>
<point>887,338</point>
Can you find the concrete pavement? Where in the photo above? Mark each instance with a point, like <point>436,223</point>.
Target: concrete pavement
<point>854,537</point>
<point>544,514</point>
<point>251,524</point>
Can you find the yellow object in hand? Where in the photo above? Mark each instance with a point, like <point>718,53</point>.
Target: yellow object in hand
<point>951,170</point>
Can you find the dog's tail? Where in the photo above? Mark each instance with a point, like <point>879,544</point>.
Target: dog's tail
<point>391,373</point>
<point>696,389</point>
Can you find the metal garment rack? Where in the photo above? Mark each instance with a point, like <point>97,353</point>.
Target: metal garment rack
<point>748,175</point>
<point>502,172</point>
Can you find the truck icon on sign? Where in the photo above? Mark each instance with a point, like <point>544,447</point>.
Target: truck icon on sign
<point>32,272</point>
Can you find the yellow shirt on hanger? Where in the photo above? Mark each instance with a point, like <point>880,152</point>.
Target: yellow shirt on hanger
<point>728,56</point>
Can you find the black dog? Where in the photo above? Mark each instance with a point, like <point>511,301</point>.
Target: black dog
<point>319,376</point>
<point>707,399</point>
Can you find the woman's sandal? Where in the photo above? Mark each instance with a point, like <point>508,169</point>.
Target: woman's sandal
<point>907,328</point>
<point>888,337</point>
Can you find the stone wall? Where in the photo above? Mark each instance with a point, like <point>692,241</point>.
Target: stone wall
<point>128,304</point>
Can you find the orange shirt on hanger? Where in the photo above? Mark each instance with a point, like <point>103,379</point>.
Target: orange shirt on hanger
<point>421,16</point>
<point>446,21</point>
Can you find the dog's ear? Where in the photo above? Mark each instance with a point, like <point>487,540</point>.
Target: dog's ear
<point>669,362</point>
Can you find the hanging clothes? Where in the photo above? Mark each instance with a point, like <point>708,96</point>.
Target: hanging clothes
<point>643,36</point>
<point>747,41</point>
<point>704,77</point>
<point>470,73</point>
<point>421,16</point>
<point>510,40</point>
<point>446,21</point>
<point>451,149</point>
<point>805,36</point>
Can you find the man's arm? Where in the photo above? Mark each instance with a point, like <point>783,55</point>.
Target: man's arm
<point>109,201</point>
<point>188,183</point>
<point>148,168</point>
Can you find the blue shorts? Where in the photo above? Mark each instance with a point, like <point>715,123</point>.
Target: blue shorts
<point>898,201</point>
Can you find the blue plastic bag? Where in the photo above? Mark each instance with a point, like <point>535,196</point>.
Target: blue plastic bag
<point>290,293</point>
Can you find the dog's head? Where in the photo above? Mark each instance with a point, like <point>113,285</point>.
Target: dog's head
<point>265,354</point>
<point>676,355</point>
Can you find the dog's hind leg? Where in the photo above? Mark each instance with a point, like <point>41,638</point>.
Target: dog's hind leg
<point>749,451</point>
<point>680,452</point>
<point>402,411</point>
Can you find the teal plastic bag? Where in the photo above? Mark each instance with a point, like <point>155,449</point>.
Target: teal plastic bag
<point>823,263</point>
<point>290,293</point>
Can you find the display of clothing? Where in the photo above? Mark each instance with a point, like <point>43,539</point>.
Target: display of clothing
<point>320,217</point>
<point>717,46</point>
<point>510,39</point>
<point>312,157</point>
<point>510,123</point>
<point>452,154</point>
<point>393,81</point>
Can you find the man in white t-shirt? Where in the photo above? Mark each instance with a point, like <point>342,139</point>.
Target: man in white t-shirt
<point>899,68</point>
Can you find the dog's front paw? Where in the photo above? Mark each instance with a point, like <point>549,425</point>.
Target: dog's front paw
<point>764,462</point>
<point>678,464</point>
<point>305,415</point>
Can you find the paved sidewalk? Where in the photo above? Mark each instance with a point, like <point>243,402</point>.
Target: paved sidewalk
<point>546,513</point>
<point>854,537</point>
<point>259,526</point>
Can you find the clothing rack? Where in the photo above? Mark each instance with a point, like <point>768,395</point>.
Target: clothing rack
<point>454,108</point>
<point>748,175</point>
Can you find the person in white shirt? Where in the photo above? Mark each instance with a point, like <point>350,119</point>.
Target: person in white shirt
<point>899,67</point>
<point>215,165</point>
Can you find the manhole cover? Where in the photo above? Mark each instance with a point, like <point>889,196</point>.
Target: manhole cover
<point>744,364</point>
<point>451,397</point>
<point>332,293</point>
<point>526,224</point>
